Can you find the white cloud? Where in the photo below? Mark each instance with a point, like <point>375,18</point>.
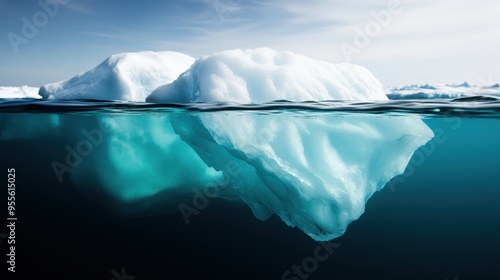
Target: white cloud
<point>429,41</point>
<point>78,7</point>
<point>430,35</point>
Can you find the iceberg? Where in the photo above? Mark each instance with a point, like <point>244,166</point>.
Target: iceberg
<point>313,173</point>
<point>125,76</point>
<point>316,172</point>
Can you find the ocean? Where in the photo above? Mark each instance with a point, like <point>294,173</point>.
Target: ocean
<point>437,220</point>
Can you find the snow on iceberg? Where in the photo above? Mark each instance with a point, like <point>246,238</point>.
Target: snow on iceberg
<point>19,92</point>
<point>125,76</point>
<point>264,75</point>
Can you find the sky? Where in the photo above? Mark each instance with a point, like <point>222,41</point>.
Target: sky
<point>401,42</point>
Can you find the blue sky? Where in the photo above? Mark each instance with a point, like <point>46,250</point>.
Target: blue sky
<point>401,42</point>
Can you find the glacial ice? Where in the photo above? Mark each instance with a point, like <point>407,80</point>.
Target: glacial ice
<point>125,76</point>
<point>19,92</point>
<point>135,157</point>
<point>315,172</point>
<point>264,75</point>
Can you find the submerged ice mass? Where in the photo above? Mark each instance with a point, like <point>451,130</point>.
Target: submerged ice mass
<point>125,76</point>
<point>315,172</point>
<point>136,157</point>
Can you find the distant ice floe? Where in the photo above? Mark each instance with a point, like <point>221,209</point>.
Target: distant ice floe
<point>19,92</point>
<point>449,91</point>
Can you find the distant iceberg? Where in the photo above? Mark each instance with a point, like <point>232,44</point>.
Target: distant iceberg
<point>448,91</point>
<point>19,92</point>
<point>125,76</point>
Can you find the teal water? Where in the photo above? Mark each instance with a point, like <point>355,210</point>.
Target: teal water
<point>438,220</point>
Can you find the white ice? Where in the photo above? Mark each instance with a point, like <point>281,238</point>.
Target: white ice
<point>263,75</point>
<point>125,76</point>
<point>19,92</point>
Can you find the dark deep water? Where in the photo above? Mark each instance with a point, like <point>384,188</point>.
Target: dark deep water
<point>439,220</point>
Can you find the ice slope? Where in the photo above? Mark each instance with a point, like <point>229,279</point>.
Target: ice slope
<point>19,92</point>
<point>263,75</point>
<point>442,91</point>
<point>125,76</point>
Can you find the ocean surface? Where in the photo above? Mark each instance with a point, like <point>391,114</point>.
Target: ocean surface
<point>438,220</point>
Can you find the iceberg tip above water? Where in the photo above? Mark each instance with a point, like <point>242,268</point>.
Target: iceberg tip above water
<point>264,75</point>
<point>125,76</point>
